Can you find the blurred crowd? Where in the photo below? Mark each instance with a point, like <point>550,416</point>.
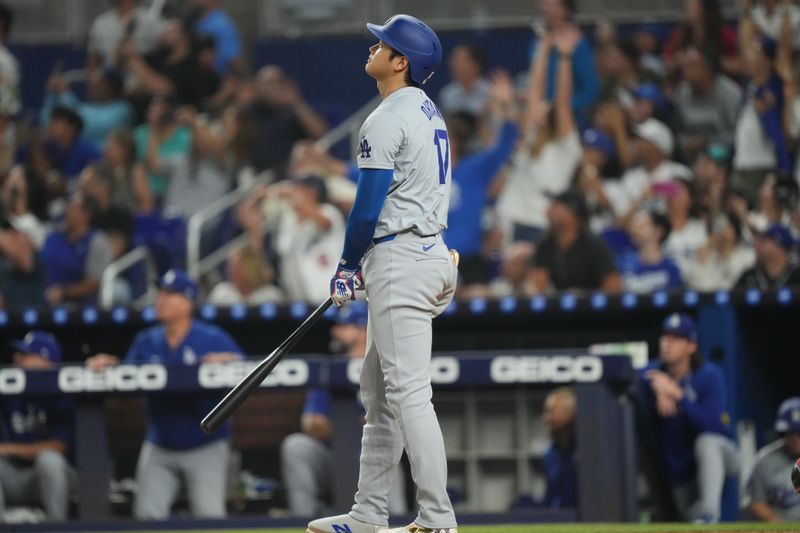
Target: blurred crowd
<point>642,158</point>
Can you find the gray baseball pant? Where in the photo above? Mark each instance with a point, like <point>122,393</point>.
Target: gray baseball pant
<point>409,281</point>
<point>717,458</point>
<point>47,482</point>
<point>308,471</point>
<point>203,471</point>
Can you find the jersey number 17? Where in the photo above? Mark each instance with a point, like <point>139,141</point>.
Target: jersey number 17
<point>439,138</point>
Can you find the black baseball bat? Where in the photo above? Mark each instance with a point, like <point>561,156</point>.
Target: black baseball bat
<point>225,408</point>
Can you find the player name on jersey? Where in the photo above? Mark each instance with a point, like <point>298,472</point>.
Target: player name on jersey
<point>446,371</point>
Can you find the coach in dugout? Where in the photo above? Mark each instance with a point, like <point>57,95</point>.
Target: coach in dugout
<point>771,496</point>
<point>684,399</point>
<point>176,452</point>
<point>37,433</point>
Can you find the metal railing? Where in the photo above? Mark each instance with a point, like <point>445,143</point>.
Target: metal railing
<point>120,266</point>
<point>348,128</point>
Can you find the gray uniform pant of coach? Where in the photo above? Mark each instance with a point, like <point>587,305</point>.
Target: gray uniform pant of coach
<point>203,471</point>
<point>409,281</point>
<point>717,458</point>
<point>47,482</point>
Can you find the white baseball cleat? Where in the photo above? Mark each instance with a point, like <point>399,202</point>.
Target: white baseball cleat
<point>343,523</point>
<point>414,528</point>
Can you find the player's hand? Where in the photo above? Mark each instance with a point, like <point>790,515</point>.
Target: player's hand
<point>54,294</point>
<point>344,285</point>
<point>666,406</point>
<point>101,361</point>
<point>664,385</point>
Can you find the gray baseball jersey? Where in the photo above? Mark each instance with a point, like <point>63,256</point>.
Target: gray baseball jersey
<point>770,482</point>
<point>407,134</point>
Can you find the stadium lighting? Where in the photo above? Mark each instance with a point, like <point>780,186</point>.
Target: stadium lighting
<point>477,306</point>
<point>268,311</point>
<point>60,315</point>
<point>599,301</point>
<point>149,314</point>
<point>508,304</point>
<point>451,308</point>
<point>568,302</point>
<point>3,318</point>
<point>722,297</point>
<point>690,298</point>
<point>785,295</point>
<point>629,300</point>
<point>238,311</point>
<point>119,315</point>
<point>89,315</point>
<point>660,299</point>
<point>753,296</point>
<point>298,310</point>
<point>538,304</point>
<point>30,316</point>
<point>208,312</point>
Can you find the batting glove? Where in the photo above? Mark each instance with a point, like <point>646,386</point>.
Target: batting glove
<point>344,285</point>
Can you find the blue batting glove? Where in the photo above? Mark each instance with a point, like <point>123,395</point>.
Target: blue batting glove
<point>344,285</point>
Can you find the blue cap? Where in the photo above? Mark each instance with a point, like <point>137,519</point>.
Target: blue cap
<point>681,325</point>
<point>651,92</point>
<point>788,417</point>
<point>769,46</point>
<point>781,235</point>
<point>179,282</point>
<point>354,314</point>
<point>40,343</point>
<point>594,138</point>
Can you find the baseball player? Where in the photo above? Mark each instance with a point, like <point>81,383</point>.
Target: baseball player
<point>175,450</point>
<point>770,491</point>
<point>393,246</point>
<point>37,437</point>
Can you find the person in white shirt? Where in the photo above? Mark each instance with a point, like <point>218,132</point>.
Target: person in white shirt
<point>769,16</point>
<point>654,146</point>
<point>123,21</point>
<point>547,161</point>
<point>9,68</point>
<point>689,233</point>
<point>720,264</point>
<point>250,280</point>
<point>308,238</point>
<point>469,90</point>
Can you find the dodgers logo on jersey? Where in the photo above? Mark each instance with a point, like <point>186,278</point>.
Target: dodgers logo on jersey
<point>365,148</point>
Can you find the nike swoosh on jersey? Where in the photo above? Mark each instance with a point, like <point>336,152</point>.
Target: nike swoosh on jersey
<point>428,247</point>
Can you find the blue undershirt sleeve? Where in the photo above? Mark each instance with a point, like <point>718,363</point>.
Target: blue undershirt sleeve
<point>373,186</point>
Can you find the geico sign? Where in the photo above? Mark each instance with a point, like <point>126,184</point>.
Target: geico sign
<point>114,378</point>
<point>554,369</point>
<point>444,370</point>
<point>12,381</point>
<point>289,373</point>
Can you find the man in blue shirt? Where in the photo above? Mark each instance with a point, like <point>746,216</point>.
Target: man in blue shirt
<point>214,22</point>
<point>558,463</point>
<point>176,452</point>
<point>684,398</point>
<point>37,437</point>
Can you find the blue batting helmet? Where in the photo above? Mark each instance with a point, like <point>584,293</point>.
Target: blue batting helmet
<point>788,418</point>
<point>415,40</point>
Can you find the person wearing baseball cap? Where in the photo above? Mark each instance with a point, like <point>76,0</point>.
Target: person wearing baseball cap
<point>37,437</point>
<point>307,461</point>
<point>570,256</point>
<point>175,450</point>
<point>774,267</point>
<point>683,400</point>
<point>769,490</point>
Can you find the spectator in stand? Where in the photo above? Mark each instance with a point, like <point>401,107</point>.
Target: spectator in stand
<point>760,142</point>
<point>654,147</point>
<point>277,118</point>
<point>618,68</point>
<point>648,38</point>
<point>558,462</point>
<point>570,257</point>
<point>558,16</point>
<point>469,90</point>
<point>37,437</point>
<point>175,451</point>
<point>647,270</point>
<point>546,162</point>
<point>161,143</point>
<point>514,269</point>
<point>182,67</point>
<point>707,104</point>
<point>22,235</point>
<point>74,258</point>
<point>209,19</point>
<point>251,280</point>
<point>105,111</point>
<point>472,174</point>
<point>598,152</point>
<point>306,232</point>
<point>125,179</point>
<point>307,460</point>
<point>66,151</point>
<point>770,18</point>
<point>648,102</point>
<point>777,201</point>
<point>703,27</point>
<point>9,68</point>
<point>688,232</point>
<point>710,168</point>
<point>721,263</point>
<point>125,20</point>
<point>774,266</point>
<point>683,398</point>
<point>772,498</point>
